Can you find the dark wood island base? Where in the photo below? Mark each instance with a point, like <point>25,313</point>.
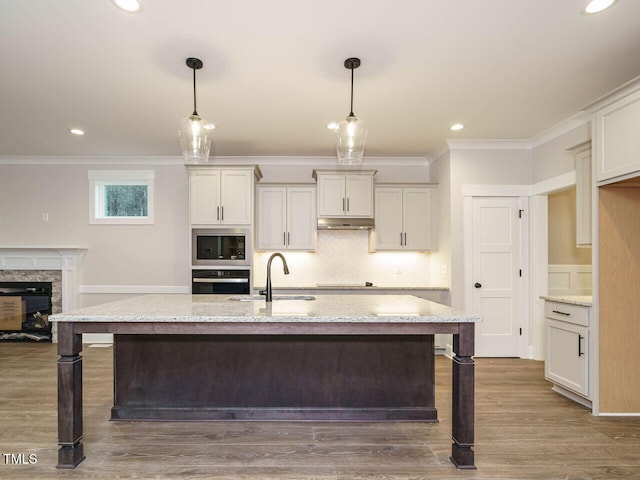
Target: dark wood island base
<point>245,370</point>
<point>274,377</point>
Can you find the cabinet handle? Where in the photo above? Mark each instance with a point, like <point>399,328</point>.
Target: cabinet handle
<point>347,204</point>
<point>400,238</point>
<point>580,352</point>
<point>222,213</point>
<point>284,238</point>
<point>288,238</point>
<point>343,209</point>
<point>561,313</point>
<point>405,239</point>
<point>218,213</point>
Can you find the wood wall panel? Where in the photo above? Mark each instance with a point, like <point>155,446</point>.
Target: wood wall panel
<point>619,299</point>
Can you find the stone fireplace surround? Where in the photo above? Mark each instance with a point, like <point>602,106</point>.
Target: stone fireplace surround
<point>58,265</point>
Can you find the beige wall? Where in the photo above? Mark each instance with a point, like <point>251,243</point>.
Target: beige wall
<point>479,167</point>
<point>562,230</point>
<point>551,159</point>
<point>440,258</point>
<point>158,254</point>
<point>153,255</point>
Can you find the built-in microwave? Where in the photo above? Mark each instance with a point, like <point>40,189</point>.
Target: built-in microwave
<point>221,246</point>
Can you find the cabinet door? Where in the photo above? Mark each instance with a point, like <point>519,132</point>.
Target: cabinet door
<point>236,195</point>
<point>583,198</point>
<point>388,224</point>
<point>271,228</point>
<point>416,217</point>
<point>359,194</point>
<point>301,218</point>
<point>204,197</point>
<point>331,196</point>
<point>616,138</point>
<point>567,356</point>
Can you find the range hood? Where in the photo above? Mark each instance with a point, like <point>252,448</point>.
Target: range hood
<point>344,223</point>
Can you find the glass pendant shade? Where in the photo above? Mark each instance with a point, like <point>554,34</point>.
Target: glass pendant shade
<point>352,134</point>
<point>196,134</point>
<point>196,139</point>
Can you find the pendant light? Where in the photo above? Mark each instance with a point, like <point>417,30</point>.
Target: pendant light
<point>195,132</point>
<point>351,132</point>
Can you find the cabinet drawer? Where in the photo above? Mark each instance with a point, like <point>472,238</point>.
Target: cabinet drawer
<point>567,313</point>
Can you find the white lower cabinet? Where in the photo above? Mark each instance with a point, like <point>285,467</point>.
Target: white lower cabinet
<point>567,361</point>
<point>286,218</point>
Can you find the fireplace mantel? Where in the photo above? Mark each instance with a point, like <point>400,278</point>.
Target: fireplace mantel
<point>40,257</point>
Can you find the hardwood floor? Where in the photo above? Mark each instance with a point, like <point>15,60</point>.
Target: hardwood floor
<point>523,431</point>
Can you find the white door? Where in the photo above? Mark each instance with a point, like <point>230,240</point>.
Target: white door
<point>496,277</point>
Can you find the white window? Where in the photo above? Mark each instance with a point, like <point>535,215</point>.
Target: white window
<point>121,196</point>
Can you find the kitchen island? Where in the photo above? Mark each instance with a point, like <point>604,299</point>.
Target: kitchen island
<point>209,357</point>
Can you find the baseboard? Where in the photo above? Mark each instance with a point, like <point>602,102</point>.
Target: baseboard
<point>572,396</point>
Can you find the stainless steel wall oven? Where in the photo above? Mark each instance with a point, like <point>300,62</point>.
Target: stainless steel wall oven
<point>220,281</point>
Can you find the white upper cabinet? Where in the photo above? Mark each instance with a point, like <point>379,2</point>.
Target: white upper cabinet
<point>204,196</point>
<point>286,218</point>
<point>617,139</point>
<point>403,218</point>
<point>345,194</point>
<point>582,154</point>
<point>221,196</point>
<point>388,220</point>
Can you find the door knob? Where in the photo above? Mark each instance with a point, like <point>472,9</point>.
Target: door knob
<point>477,285</point>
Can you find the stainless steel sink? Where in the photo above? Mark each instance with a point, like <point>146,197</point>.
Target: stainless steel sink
<point>256,298</point>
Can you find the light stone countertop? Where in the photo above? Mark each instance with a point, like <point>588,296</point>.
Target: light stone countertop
<point>216,308</point>
<point>328,286</point>
<point>581,300</point>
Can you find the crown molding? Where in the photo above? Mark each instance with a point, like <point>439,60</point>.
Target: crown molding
<point>497,144</point>
<point>314,161</point>
<point>571,123</point>
<point>435,155</point>
<point>614,95</point>
<point>88,160</point>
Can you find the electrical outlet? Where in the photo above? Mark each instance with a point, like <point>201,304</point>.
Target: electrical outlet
<point>45,217</point>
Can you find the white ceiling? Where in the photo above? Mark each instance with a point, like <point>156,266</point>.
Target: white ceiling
<point>273,73</point>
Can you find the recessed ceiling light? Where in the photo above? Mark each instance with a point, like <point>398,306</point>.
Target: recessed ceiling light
<point>596,6</point>
<point>130,6</point>
<point>76,131</point>
<point>456,126</point>
<point>332,125</point>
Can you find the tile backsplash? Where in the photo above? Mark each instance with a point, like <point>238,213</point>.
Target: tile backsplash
<point>342,257</point>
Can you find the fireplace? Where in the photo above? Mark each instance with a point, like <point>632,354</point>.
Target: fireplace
<point>24,311</point>
<point>58,265</point>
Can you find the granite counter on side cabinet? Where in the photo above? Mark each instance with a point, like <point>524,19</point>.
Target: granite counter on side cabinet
<point>205,357</point>
<point>580,300</point>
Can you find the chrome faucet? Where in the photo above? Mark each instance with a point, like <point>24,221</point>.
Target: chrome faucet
<point>268,292</point>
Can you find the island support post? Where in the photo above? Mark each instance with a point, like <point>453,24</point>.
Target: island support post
<point>462,418</point>
<point>71,451</point>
